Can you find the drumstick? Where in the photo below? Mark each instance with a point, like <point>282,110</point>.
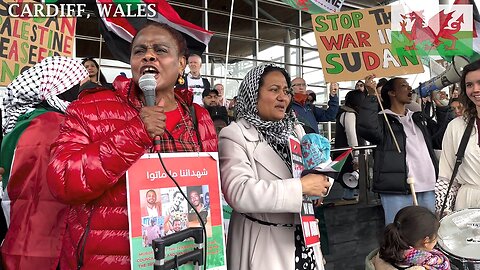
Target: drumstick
<point>411,182</point>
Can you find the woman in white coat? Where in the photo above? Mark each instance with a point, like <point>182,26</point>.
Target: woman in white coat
<point>255,165</point>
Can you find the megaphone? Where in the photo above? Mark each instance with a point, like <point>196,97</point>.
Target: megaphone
<point>451,75</point>
<point>351,179</point>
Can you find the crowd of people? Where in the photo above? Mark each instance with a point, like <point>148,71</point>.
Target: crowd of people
<point>77,169</point>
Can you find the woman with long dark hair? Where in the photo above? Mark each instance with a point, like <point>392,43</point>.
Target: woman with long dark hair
<point>465,190</point>
<point>94,73</point>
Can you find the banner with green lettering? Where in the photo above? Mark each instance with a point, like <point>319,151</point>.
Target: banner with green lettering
<point>354,44</point>
<point>27,41</point>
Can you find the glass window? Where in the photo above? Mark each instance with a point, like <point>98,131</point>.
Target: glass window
<point>87,27</point>
<point>278,26</point>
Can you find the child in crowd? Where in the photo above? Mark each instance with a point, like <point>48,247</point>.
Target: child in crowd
<point>409,242</point>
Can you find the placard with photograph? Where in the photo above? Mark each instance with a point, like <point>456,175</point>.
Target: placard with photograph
<point>157,208</point>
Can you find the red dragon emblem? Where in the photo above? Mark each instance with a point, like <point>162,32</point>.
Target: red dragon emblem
<point>423,34</point>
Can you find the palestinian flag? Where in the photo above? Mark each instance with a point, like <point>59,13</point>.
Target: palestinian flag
<point>333,168</point>
<point>336,165</point>
<point>315,6</point>
<point>118,31</point>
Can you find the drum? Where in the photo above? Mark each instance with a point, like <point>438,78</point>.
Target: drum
<point>459,239</point>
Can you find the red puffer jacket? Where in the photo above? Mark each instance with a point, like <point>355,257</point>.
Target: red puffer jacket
<point>102,137</point>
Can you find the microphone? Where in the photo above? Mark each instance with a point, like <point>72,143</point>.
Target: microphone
<point>148,84</point>
<point>316,155</point>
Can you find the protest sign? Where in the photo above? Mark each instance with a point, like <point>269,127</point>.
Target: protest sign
<point>296,156</point>
<point>26,41</point>
<point>311,232</point>
<point>354,44</point>
<point>156,207</point>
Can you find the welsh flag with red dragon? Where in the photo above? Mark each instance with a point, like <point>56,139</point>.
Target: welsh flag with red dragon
<point>452,30</point>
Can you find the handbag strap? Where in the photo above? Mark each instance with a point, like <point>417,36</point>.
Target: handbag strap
<point>458,161</point>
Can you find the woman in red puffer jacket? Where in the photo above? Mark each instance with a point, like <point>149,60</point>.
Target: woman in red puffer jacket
<point>105,132</point>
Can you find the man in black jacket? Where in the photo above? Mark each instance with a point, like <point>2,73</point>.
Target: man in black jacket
<point>416,137</point>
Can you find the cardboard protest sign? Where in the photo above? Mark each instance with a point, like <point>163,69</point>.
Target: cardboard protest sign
<point>27,41</point>
<point>156,208</point>
<point>354,44</point>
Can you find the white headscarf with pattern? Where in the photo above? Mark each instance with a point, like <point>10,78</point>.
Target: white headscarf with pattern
<point>44,81</point>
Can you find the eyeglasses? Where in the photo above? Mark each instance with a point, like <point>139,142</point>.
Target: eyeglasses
<point>299,84</point>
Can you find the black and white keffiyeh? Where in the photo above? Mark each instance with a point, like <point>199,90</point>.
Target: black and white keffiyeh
<point>276,133</point>
<point>44,81</point>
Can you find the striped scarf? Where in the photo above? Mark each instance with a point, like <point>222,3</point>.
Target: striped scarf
<point>42,82</point>
<point>433,259</point>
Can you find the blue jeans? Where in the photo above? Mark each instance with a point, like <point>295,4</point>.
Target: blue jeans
<point>392,203</point>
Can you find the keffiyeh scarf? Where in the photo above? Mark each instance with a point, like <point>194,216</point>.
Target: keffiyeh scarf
<point>276,133</point>
<point>44,81</point>
<point>434,259</point>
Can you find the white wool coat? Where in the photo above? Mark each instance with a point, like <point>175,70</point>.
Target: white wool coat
<point>256,181</point>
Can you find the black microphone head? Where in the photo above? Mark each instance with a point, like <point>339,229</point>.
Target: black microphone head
<point>148,84</point>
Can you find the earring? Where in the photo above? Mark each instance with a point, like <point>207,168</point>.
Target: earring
<point>181,80</point>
